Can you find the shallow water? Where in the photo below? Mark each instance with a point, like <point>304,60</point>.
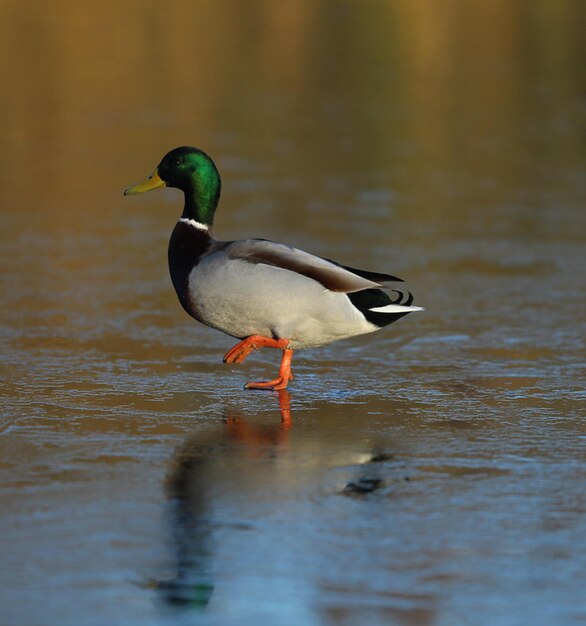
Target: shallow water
<point>432,473</point>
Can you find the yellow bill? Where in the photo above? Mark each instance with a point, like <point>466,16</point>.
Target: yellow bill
<point>154,181</point>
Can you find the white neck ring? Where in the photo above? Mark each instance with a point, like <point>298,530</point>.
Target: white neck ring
<point>198,225</point>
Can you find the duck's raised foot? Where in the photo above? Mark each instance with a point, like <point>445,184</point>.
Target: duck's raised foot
<point>243,348</point>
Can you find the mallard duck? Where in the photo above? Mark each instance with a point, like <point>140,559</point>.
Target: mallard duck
<point>265,294</point>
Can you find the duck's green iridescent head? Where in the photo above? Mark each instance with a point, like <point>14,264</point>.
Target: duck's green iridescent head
<point>192,171</point>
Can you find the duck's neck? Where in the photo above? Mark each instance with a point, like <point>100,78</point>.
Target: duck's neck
<point>201,200</point>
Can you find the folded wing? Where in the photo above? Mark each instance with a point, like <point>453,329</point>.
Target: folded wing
<point>331,275</point>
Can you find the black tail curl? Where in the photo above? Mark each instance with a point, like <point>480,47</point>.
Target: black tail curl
<point>399,298</point>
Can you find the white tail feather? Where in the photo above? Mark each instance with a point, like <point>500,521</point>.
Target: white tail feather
<point>396,308</point>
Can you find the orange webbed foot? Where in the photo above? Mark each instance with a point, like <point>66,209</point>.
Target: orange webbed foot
<point>239,352</point>
<point>277,384</point>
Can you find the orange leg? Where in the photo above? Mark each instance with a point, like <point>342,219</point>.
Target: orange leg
<point>243,348</point>
<point>285,408</point>
<point>282,379</point>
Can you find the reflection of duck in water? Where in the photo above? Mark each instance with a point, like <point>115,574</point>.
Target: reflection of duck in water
<point>257,437</point>
<point>188,503</point>
<point>190,489</point>
<point>264,293</point>
<point>231,486</point>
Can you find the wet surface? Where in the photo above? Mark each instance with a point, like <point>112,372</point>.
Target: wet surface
<point>431,474</point>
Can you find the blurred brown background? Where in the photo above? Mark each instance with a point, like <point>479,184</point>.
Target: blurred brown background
<point>446,101</point>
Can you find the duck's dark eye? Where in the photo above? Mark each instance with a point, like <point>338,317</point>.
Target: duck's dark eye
<point>177,162</point>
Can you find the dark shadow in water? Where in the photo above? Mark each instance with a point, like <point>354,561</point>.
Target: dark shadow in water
<point>369,477</point>
<point>190,490</point>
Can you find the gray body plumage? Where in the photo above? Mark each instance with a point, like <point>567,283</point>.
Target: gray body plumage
<point>243,299</point>
<point>258,287</point>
